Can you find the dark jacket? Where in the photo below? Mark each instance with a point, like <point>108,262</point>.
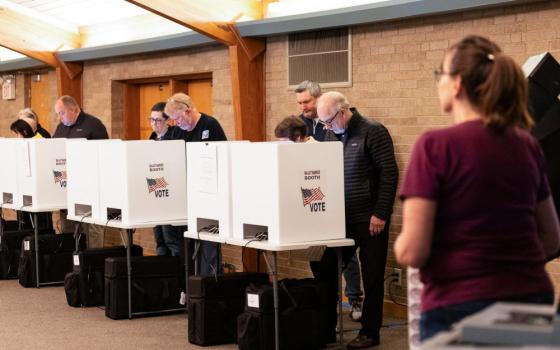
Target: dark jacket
<point>171,134</point>
<point>370,169</point>
<point>316,130</point>
<point>206,129</point>
<point>86,126</point>
<point>43,132</point>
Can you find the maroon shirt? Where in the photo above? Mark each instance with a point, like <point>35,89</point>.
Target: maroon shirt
<point>485,244</point>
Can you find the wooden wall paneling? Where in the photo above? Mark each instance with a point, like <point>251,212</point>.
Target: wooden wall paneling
<point>177,85</point>
<point>149,94</point>
<point>248,94</point>
<point>200,91</point>
<point>40,98</point>
<point>69,79</point>
<point>131,121</point>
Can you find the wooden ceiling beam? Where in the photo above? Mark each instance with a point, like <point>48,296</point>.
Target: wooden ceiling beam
<point>37,36</point>
<point>25,30</point>
<point>184,13</point>
<point>251,47</point>
<point>72,69</point>
<point>46,57</point>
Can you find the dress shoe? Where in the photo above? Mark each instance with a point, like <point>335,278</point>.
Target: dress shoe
<point>362,342</point>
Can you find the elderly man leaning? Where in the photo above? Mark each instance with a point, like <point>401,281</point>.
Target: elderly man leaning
<point>370,184</point>
<point>197,127</point>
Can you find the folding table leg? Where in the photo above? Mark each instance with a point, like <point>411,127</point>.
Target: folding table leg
<point>129,271</point>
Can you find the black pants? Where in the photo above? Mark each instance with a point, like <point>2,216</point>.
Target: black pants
<point>373,258</point>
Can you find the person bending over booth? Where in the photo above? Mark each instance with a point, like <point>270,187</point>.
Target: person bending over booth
<point>75,123</point>
<point>197,127</point>
<point>28,113</point>
<point>22,128</point>
<point>168,238</point>
<point>370,184</point>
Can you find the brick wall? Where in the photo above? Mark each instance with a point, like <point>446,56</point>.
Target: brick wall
<point>10,108</point>
<point>101,88</point>
<point>392,67</point>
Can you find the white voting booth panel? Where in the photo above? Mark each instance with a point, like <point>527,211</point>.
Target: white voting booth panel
<point>41,172</point>
<point>82,166</point>
<point>142,181</point>
<point>293,191</point>
<point>209,186</point>
<point>8,171</point>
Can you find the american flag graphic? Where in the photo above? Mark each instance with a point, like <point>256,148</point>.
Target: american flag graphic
<point>154,184</point>
<point>59,176</point>
<point>310,195</point>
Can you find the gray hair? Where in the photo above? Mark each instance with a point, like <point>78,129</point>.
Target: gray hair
<point>178,102</point>
<point>334,100</point>
<point>27,113</point>
<point>311,86</point>
<point>69,101</point>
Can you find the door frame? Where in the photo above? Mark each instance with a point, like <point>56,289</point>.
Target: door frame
<point>131,96</point>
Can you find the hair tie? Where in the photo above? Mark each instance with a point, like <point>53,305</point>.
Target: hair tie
<point>490,57</point>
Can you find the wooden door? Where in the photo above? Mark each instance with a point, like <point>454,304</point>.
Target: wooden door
<point>149,95</point>
<point>141,96</point>
<point>40,99</point>
<point>200,91</point>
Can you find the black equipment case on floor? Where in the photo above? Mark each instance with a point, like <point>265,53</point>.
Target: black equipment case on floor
<point>303,316</point>
<point>157,282</point>
<point>214,303</point>
<point>10,251</point>
<point>55,259</point>
<point>85,285</point>
<point>11,225</point>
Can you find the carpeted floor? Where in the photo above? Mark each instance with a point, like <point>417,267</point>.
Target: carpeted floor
<point>33,318</point>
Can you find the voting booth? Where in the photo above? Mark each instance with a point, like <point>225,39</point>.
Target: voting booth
<point>8,170</point>
<point>41,174</point>
<point>292,191</point>
<point>209,187</point>
<point>82,165</point>
<point>142,181</point>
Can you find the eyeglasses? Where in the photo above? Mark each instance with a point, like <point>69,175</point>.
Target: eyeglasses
<point>439,72</point>
<point>156,120</point>
<point>331,119</point>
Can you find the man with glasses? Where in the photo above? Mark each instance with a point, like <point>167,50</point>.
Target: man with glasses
<point>169,239</point>
<point>307,95</point>
<point>197,127</point>
<point>160,129</point>
<point>370,183</point>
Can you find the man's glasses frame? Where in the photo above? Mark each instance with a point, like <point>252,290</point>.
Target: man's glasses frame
<point>329,121</point>
<point>156,120</point>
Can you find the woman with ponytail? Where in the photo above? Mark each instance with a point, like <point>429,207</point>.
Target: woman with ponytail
<point>478,218</point>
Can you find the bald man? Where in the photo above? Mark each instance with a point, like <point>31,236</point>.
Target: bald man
<point>74,123</point>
